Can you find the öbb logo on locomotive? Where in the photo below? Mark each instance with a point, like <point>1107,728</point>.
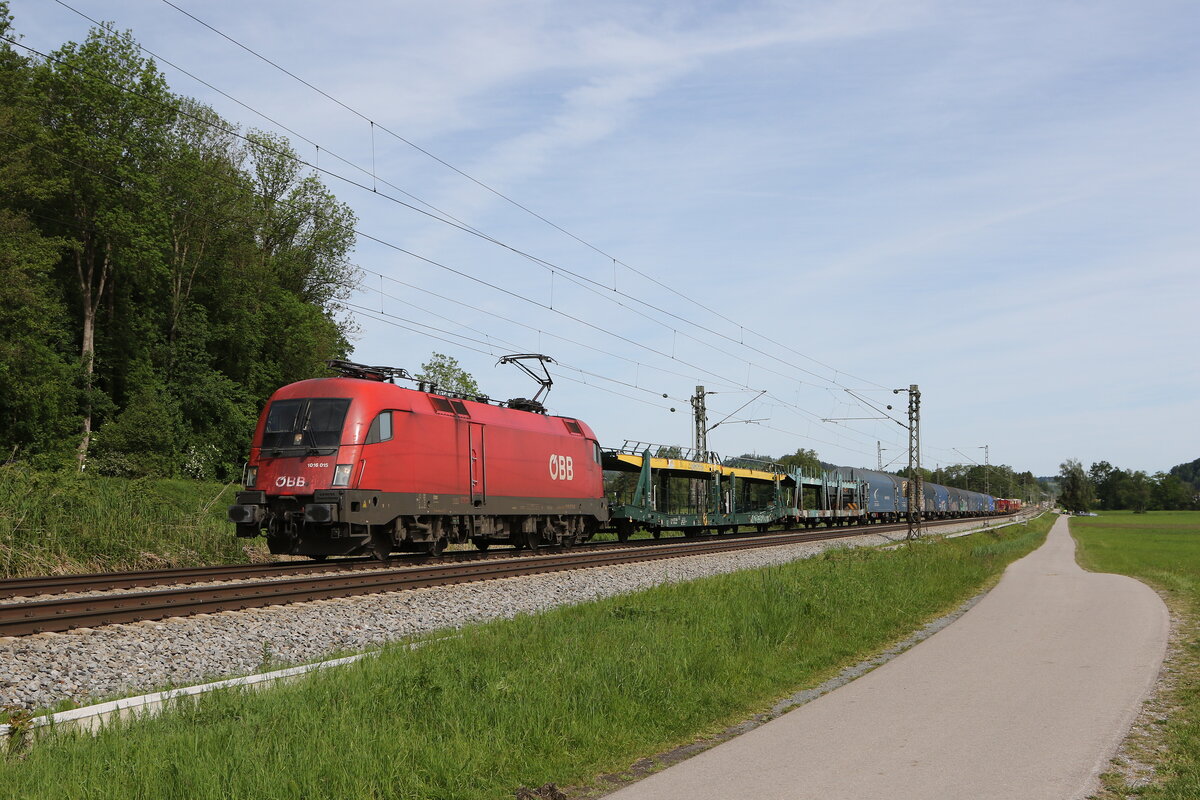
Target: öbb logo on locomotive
<point>290,481</point>
<point>562,468</point>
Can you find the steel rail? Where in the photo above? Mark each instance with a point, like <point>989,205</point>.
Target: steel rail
<point>103,581</point>
<point>19,619</point>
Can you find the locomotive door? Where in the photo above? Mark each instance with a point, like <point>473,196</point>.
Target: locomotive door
<point>476,469</point>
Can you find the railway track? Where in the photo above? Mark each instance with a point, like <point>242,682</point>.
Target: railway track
<point>352,577</point>
<point>103,581</point>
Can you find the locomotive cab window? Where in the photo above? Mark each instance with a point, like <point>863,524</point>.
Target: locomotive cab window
<point>305,423</point>
<point>381,428</point>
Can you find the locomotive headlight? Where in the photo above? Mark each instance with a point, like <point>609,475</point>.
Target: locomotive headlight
<point>341,475</point>
<point>251,477</point>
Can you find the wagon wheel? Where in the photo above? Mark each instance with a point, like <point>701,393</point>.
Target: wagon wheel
<point>435,547</point>
<point>481,544</point>
<point>624,530</point>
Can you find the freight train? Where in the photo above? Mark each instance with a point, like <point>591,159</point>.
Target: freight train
<point>356,464</point>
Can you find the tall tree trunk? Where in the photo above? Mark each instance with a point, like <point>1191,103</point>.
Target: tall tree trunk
<point>91,292</point>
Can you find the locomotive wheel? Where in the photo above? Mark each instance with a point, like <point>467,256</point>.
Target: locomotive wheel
<point>481,544</point>
<point>280,543</point>
<point>381,545</point>
<point>533,541</point>
<point>318,556</point>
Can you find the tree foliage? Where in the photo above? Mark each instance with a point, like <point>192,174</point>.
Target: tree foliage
<point>1076,492</point>
<point>1188,473</point>
<point>445,372</point>
<point>805,460</point>
<point>1134,489</point>
<point>163,272</point>
<point>998,480</point>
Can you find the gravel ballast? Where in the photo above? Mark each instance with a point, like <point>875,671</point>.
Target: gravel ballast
<point>85,664</point>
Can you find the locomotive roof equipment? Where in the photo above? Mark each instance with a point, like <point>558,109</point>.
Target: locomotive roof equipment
<point>533,404</point>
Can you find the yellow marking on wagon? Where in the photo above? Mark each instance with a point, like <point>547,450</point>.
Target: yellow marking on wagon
<point>684,465</point>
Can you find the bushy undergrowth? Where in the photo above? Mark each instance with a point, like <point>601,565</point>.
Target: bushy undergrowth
<point>559,697</point>
<point>70,522</point>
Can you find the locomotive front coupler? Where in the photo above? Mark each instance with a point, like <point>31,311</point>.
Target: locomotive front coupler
<point>249,513</point>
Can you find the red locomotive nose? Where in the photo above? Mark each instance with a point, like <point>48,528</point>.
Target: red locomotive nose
<point>300,443</point>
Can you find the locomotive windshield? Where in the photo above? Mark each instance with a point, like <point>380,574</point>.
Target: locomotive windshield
<point>310,423</point>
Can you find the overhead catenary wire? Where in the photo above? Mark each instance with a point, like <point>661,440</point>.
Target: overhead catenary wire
<point>448,219</point>
<point>548,265</point>
<point>433,262</point>
<point>292,131</point>
<point>526,325</point>
<point>362,309</point>
<point>393,320</point>
<point>675,332</point>
<point>378,240</point>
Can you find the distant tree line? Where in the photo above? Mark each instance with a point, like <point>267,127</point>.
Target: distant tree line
<point>161,270</point>
<point>1109,488</point>
<point>998,480</point>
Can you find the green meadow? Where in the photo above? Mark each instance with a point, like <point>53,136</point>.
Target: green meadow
<point>1161,548</point>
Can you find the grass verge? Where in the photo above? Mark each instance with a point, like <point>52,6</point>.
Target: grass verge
<point>61,523</point>
<point>561,697</point>
<point>1161,548</point>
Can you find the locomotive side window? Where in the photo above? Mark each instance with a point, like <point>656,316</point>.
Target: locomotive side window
<point>309,422</point>
<point>381,428</point>
<point>596,452</point>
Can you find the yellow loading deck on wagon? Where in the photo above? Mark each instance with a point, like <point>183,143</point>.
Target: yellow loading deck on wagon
<point>634,462</point>
<point>679,489</point>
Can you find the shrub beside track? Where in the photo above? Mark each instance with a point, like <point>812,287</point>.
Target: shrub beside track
<point>63,523</point>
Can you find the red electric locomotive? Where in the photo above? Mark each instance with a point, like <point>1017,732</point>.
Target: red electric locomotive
<point>356,464</point>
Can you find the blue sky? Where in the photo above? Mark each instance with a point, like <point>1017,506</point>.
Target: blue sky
<point>998,201</point>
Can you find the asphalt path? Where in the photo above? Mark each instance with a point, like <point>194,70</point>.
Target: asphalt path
<point>1026,696</point>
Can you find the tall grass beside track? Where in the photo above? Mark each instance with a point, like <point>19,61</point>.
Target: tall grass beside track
<point>70,522</point>
<point>560,697</point>
<point>1161,548</point>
